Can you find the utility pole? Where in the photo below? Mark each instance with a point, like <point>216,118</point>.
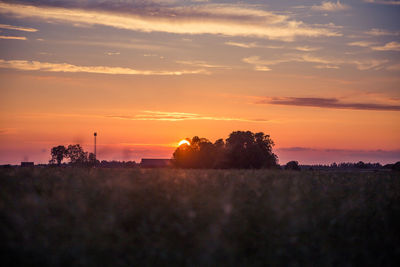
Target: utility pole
<point>95,134</point>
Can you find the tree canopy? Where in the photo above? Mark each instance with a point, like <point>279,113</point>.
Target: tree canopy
<point>241,150</point>
<point>75,154</point>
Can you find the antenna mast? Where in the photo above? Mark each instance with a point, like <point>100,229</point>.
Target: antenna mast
<point>95,134</point>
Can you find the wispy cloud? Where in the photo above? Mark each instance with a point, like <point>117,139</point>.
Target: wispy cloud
<point>383,2</point>
<point>381,32</point>
<point>361,43</point>
<point>326,67</point>
<point>332,63</point>
<point>17,28</point>
<point>12,37</point>
<point>333,103</point>
<point>65,67</point>
<point>307,48</point>
<point>242,45</point>
<point>201,64</point>
<point>220,19</point>
<point>253,45</point>
<point>330,6</point>
<point>112,53</point>
<point>126,44</point>
<point>149,115</point>
<point>392,46</point>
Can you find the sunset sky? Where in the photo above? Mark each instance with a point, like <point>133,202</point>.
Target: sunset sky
<point>321,78</point>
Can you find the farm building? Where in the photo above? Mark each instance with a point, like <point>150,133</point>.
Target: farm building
<point>155,163</point>
<point>27,164</point>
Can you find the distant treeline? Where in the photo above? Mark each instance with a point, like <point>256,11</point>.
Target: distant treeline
<point>350,166</point>
<point>74,153</point>
<point>241,150</point>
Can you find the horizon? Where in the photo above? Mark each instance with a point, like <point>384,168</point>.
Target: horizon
<point>322,78</point>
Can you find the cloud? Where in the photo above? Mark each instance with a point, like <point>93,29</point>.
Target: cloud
<point>127,44</point>
<point>252,45</point>
<point>112,53</point>
<point>383,2</point>
<point>368,64</point>
<point>380,32</point>
<point>12,37</point>
<point>216,19</point>
<point>65,67</point>
<point>17,28</point>
<point>332,103</point>
<point>326,67</point>
<point>307,48</point>
<point>201,64</point>
<point>242,45</point>
<point>149,115</point>
<point>392,46</point>
<point>330,6</point>
<point>365,64</point>
<point>361,43</point>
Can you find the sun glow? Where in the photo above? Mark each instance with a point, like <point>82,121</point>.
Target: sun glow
<point>184,142</point>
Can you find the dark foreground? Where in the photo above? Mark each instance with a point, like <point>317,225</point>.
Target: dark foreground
<point>109,217</point>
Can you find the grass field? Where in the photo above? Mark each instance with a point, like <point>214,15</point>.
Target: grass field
<point>136,217</point>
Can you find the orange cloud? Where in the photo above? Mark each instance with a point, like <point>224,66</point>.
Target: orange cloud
<point>17,28</point>
<point>12,37</point>
<point>148,115</point>
<point>220,19</point>
<point>65,67</point>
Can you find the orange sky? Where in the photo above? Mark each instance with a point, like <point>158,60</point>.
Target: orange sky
<point>322,80</point>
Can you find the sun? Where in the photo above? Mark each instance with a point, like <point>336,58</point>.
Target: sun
<point>184,142</point>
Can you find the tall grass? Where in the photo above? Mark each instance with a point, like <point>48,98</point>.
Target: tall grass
<point>125,217</point>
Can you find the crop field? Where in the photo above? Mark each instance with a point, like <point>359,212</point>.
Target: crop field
<point>157,217</point>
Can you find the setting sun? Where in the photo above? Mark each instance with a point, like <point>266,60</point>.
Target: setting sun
<point>184,142</point>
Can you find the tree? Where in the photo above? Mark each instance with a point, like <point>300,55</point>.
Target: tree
<point>246,150</point>
<point>201,153</point>
<point>76,154</point>
<point>57,154</point>
<point>92,160</point>
<point>396,166</point>
<point>292,165</point>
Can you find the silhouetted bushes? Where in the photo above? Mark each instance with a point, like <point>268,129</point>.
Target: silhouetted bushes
<point>292,165</point>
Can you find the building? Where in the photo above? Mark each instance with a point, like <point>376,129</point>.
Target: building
<point>156,163</point>
<point>27,164</point>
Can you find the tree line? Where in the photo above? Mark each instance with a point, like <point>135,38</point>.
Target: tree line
<point>74,153</point>
<point>241,150</point>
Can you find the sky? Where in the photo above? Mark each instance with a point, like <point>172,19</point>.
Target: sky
<point>322,78</point>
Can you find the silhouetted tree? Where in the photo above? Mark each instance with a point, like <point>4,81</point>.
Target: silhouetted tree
<point>57,154</point>
<point>360,165</point>
<point>201,153</point>
<point>292,165</point>
<point>76,154</point>
<point>241,150</point>
<point>92,160</point>
<point>220,152</point>
<point>246,150</point>
<point>396,166</point>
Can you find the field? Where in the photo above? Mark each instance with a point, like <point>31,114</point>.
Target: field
<point>154,217</point>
